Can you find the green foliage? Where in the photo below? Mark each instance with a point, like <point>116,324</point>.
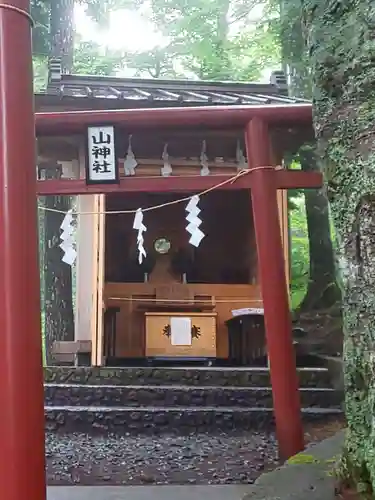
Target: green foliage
<point>91,59</point>
<point>299,241</point>
<point>157,63</point>
<point>97,10</point>
<point>209,40</point>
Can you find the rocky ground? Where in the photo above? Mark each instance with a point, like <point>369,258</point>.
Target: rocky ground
<point>195,459</point>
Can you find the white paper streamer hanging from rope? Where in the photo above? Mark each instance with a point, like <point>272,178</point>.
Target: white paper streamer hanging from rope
<point>194,221</point>
<point>240,157</point>
<point>130,162</point>
<point>204,160</point>
<point>167,167</point>
<point>141,228</point>
<point>67,244</point>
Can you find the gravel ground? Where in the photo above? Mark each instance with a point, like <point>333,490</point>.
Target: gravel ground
<point>196,459</point>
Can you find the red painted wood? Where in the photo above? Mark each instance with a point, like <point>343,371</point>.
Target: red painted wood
<point>257,143</point>
<point>271,266</point>
<point>284,180</point>
<point>22,472</point>
<point>143,185</point>
<point>292,179</point>
<point>57,123</point>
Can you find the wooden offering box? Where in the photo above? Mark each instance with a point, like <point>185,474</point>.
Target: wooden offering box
<point>187,335</point>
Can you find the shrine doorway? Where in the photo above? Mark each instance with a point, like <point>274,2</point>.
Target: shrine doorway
<point>217,277</point>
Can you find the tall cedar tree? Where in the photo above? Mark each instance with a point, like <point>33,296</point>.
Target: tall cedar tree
<point>59,317</point>
<point>341,44</point>
<point>323,290</point>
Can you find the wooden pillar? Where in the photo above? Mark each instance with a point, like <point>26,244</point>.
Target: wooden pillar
<point>22,472</point>
<point>87,256</point>
<point>97,322</point>
<point>285,390</point>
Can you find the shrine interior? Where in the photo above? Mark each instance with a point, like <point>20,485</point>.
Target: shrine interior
<point>177,279</point>
<point>226,255</point>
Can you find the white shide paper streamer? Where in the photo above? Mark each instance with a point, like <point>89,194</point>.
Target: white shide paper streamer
<point>204,160</point>
<point>141,228</point>
<point>67,244</point>
<point>130,162</point>
<point>240,157</point>
<point>192,209</point>
<point>166,170</point>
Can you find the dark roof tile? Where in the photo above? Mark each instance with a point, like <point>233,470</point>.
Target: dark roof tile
<point>168,91</point>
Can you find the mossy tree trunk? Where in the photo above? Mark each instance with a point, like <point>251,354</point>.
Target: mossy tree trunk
<point>322,291</point>
<point>58,300</point>
<point>341,43</point>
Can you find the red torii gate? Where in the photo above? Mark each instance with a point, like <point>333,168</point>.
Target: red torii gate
<point>22,463</point>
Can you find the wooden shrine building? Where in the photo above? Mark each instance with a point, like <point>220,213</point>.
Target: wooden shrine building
<point>126,310</point>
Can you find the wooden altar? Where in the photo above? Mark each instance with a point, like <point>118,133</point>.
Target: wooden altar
<point>187,335</point>
<point>133,306</point>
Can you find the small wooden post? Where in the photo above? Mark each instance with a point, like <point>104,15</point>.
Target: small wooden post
<point>22,463</point>
<point>277,317</point>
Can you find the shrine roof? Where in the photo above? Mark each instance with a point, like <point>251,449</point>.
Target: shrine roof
<point>136,92</point>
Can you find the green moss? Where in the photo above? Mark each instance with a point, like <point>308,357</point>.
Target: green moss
<point>302,458</point>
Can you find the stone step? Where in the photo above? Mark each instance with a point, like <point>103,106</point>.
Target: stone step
<point>191,376</point>
<point>177,395</point>
<point>136,420</point>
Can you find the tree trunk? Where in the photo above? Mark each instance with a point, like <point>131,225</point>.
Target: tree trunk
<point>58,300</point>
<point>340,38</point>
<point>322,291</point>
<point>62,32</point>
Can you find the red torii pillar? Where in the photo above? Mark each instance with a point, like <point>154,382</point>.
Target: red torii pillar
<point>22,463</point>
<point>265,181</point>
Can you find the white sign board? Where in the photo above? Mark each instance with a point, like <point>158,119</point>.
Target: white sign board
<point>247,311</point>
<point>101,167</point>
<point>180,331</point>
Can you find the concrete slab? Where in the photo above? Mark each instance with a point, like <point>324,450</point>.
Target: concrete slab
<point>308,477</point>
<point>193,492</point>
